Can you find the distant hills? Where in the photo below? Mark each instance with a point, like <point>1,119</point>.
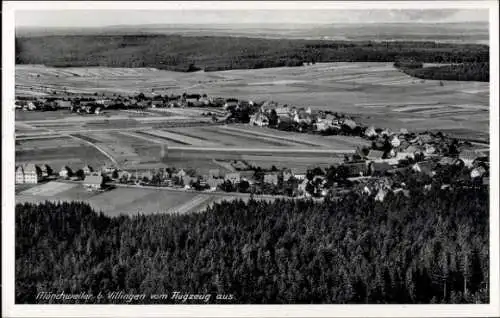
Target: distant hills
<point>470,32</point>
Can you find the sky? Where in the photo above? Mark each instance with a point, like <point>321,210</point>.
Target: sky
<point>100,18</point>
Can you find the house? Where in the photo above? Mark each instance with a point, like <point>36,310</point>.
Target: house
<point>379,168</point>
<point>300,176</point>
<point>268,106</point>
<point>146,175</point>
<point>87,170</point>
<point>187,180</point>
<point>375,155</point>
<point>477,172</point>
<point>380,196</point>
<point>46,170</point>
<point>302,117</point>
<point>302,187</point>
<point>63,103</point>
<point>409,152</point>
<point>233,177</point>
<point>157,103</point>
<point>213,183</point>
<point>93,182</point>
<point>405,192</point>
<point>386,132</point>
<point>426,167</point>
<point>214,173</point>
<point>395,142</point>
<point>282,111</point>
<point>468,157</point>
<point>104,102</point>
<point>271,178</point>
<point>447,161</point>
<point>181,174</point>
<point>122,174</point>
<point>259,119</point>
<point>356,169</point>
<point>486,181</point>
<point>429,149</point>
<point>349,123</point>
<point>322,126</point>
<point>230,103</point>
<point>28,173</point>
<point>65,172</point>
<point>370,132</point>
<point>287,174</point>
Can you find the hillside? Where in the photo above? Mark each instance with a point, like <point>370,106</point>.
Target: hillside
<point>430,248</point>
<point>210,53</point>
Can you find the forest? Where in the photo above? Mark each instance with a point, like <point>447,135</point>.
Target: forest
<point>215,53</point>
<point>455,72</point>
<point>431,247</point>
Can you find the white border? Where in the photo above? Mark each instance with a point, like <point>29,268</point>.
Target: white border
<point>8,197</point>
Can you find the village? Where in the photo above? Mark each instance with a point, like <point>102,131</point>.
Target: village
<point>393,158</point>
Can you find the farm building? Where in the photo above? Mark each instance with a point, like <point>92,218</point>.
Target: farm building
<point>93,182</point>
<point>28,173</point>
<point>271,178</point>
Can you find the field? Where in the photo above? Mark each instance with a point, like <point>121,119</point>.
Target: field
<point>58,152</point>
<point>117,201</point>
<point>376,92</point>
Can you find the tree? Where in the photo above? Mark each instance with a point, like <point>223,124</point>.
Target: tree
<point>79,174</point>
<point>273,118</point>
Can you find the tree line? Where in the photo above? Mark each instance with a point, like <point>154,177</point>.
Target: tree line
<point>431,247</point>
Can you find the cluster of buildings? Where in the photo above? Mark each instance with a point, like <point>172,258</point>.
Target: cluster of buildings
<point>272,114</point>
<point>32,174</point>
<point>95,104</point>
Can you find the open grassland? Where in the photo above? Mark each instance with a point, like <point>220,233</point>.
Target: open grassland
<point>122,200</point>
<point>301,140</point>
<point>377,92</point>
<point>58,152</point>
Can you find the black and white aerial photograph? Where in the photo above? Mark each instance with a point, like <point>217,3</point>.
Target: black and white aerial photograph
<point>291,155</point>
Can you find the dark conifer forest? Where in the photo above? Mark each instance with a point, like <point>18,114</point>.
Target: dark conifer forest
<point>429,248</point>
<point>216,53</point>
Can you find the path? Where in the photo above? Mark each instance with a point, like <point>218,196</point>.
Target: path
<point>110,157</point>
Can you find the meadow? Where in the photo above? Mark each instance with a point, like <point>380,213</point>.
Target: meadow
<point>128,201</point>
<point>376,93</point>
